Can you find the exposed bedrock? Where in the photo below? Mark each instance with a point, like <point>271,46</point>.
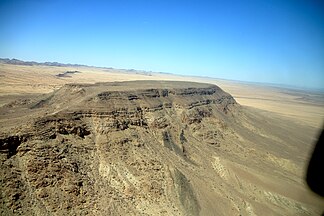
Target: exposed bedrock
<point>113,149</point>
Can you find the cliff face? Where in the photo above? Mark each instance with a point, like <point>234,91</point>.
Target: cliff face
<point>131,148</point>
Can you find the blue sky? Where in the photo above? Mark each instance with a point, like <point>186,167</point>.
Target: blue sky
<point>274,41</point>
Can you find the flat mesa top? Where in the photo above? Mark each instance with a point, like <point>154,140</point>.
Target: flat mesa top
<point>144,84</point>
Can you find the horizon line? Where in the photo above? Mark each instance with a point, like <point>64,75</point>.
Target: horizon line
<point>7,60</point>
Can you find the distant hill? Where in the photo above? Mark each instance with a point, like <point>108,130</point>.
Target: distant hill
<point>31,63</point>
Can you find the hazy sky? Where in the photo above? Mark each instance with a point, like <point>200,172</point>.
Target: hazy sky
<point>265,41</point>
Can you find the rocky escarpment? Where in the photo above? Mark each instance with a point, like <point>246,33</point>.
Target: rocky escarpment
<point>147,148</point>
<point>114,149</point>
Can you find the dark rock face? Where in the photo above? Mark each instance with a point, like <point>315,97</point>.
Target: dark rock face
<point>110,150</point>
<point>10,144</point>
<point>170,144</point>
<point>194,97</point>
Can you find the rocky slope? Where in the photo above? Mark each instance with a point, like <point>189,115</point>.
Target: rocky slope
<point>143,148</point>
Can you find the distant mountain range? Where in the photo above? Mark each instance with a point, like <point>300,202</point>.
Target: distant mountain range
<point>14,61</point>
<point>31,63</point>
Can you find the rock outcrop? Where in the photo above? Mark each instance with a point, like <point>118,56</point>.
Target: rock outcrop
<point>103,149</point>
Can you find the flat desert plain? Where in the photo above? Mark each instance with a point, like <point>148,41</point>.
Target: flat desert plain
<point>256,167</point>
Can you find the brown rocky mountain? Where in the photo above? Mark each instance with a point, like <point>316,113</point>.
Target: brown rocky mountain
<point>149,148</point>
